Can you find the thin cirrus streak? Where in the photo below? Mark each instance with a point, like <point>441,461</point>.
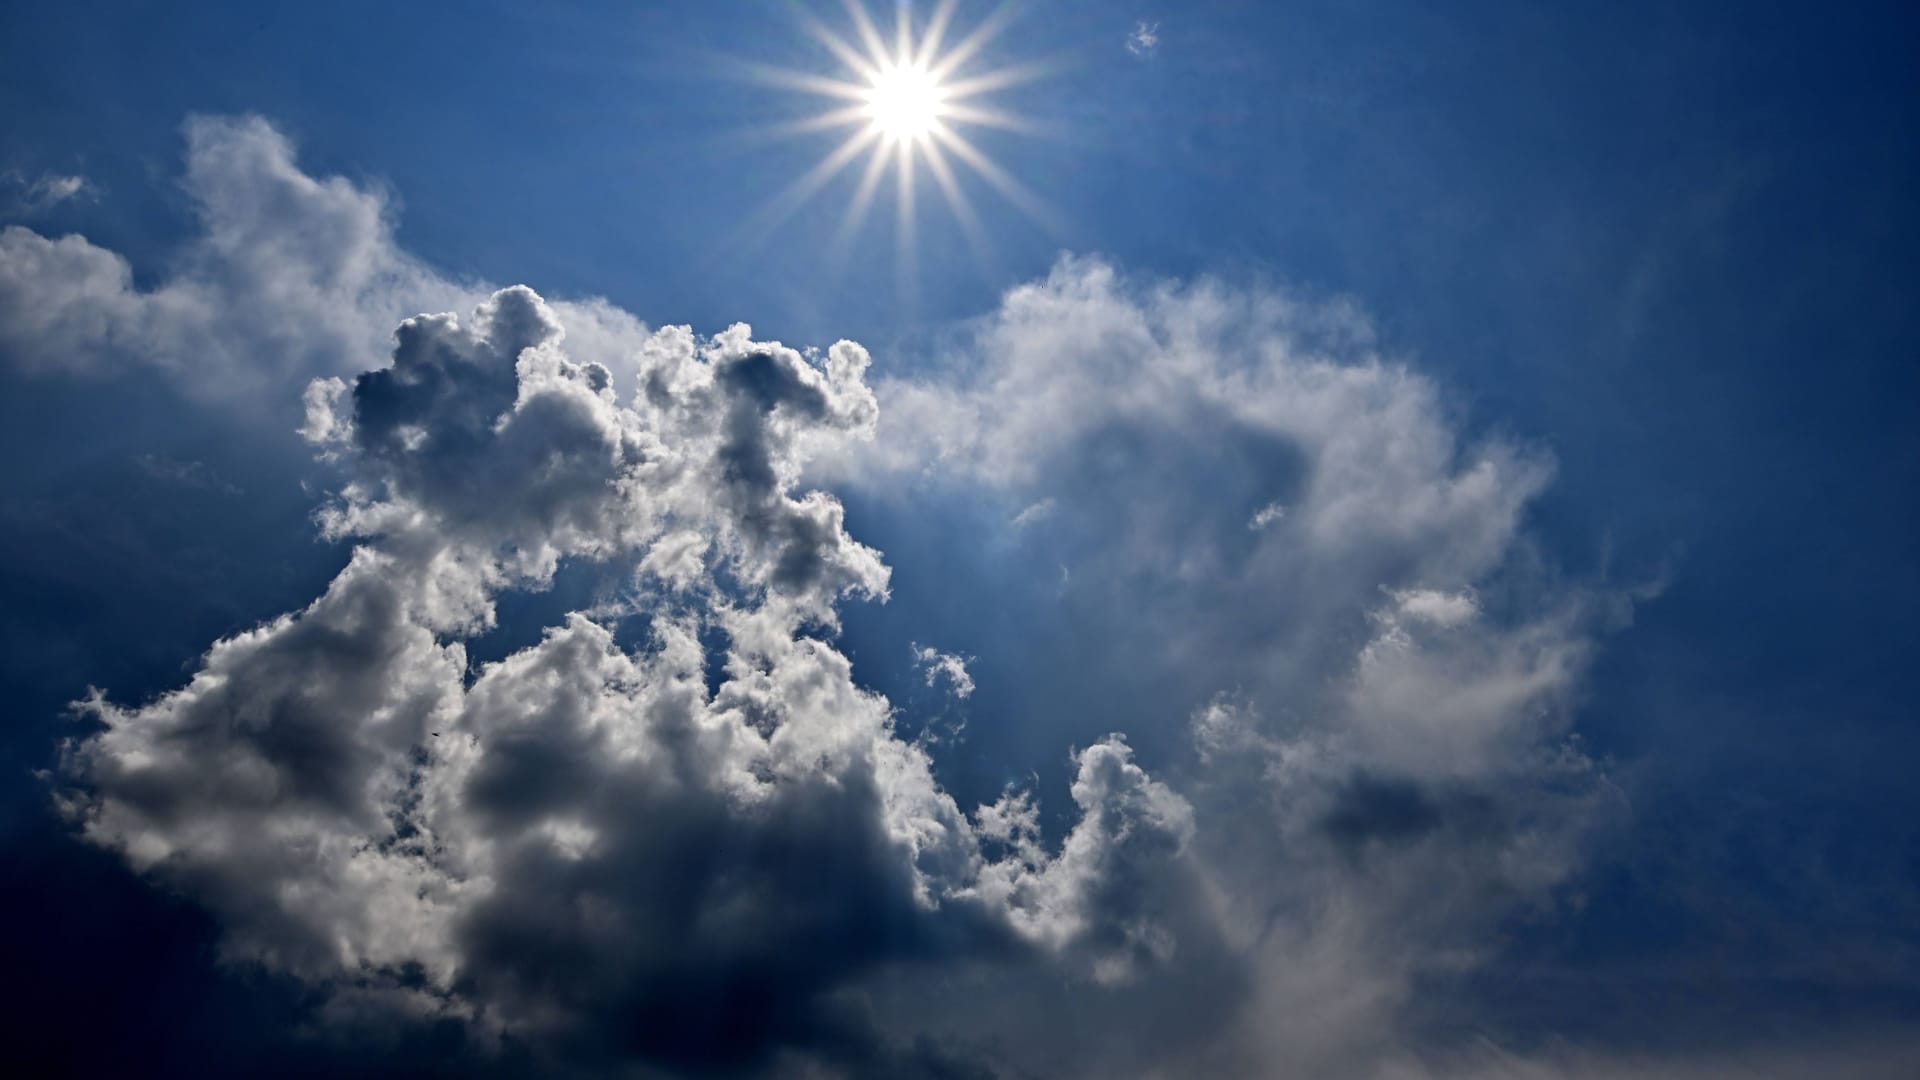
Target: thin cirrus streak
<point>905,103</point>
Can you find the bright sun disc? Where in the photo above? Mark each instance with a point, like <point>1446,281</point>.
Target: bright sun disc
<point>911,99</point>
<point>904,102</point>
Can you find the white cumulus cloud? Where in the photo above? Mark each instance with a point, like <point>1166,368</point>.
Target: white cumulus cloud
<point>291,276</point>
<point>944,667</point>
<point>538,843</point>
<point>678,828</point>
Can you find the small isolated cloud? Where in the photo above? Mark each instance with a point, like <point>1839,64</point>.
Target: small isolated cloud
<point>945,667</point>
<point>36,194</point>
<point>1033,514</point>
<point>1266,516</point>
<point>1144,39</point>
<point>187,474</point>
<point>1443,609</point>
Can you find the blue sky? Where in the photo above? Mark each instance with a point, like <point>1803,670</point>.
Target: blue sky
<point>1570,347</point>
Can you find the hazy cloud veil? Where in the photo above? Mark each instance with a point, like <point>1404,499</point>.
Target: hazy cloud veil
<point>679,830</point>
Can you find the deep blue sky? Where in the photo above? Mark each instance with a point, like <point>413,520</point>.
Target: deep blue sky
<point>1677,245</point>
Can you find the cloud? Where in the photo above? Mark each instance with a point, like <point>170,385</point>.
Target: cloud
<point>291,276</point>
<point>1032,514</point>
<point>1322,754</point>
<point>188,474</point>
<point>1382,768</point>
<point>1870,1057</point>
<point>1145,38</point>
<point>944,667</point>
<point>586,832</point>
<point>1087,393</point>
<point>38,194</point>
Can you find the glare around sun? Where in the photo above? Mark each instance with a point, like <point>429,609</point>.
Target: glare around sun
<point>911,95</point>
<point>904,102</point>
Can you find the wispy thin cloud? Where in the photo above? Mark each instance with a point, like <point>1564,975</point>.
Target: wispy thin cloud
<point>33,194</point>
<point>190,474</point>
<point>1268,514</point>
<point>1145,39</point>
<point>1037,512</point>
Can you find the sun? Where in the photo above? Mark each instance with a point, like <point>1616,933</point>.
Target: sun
<point>905,102</point>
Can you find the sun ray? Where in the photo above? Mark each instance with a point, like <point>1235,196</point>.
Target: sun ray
<point>905,99</point>
<point>809,183</point>
<point>980,38</point>
<point>858,209</point>
<point>1009,188</point>
<point>807,125</point>
<point>998,79</point>
<point>860,65</point>
<point>808,82</point>
<point>869,33</point>
<point>989,117</point>
<point>904,265</point>
<point>936,30</point>
<point>960,205</point>
<point>903,176</point>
